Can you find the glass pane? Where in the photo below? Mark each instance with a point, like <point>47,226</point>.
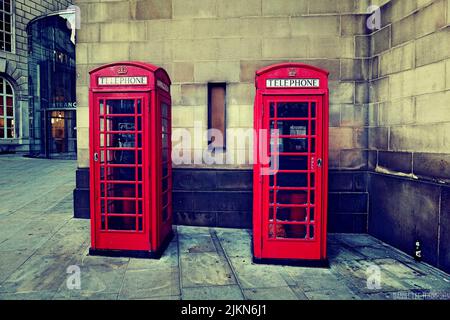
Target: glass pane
<point>290,128</point>
<point>311,214</point>
<point>122,207</point>
<point>293,110</point>
<point>294,232</point>
<point>311,231</point>
<point>290,214</point>
<point>292,145</point>
<point>121,174</point>
<point>120,190</point>
<point>120,106</point>
<point>293,162</point>
<point>313,110</point>
<point>165,110</point>
<point>121,223</point>
<point>289,197</point>
<point>296,180</point>
<point>124,140</point>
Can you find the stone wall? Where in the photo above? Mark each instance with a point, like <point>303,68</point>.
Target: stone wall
<point>203,41</point>
<point>17,65</point>
<point>409,128</point>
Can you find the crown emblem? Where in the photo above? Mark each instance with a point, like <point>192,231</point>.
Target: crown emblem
<point>292,72</point>
<point>122,70</point>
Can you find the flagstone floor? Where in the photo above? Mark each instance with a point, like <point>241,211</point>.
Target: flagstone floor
<point>40,243</point>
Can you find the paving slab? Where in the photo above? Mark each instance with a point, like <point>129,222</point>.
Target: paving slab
<point>231,292</point>
<point>276,293</point>
<point>143,284</point>
<point>205,269</point>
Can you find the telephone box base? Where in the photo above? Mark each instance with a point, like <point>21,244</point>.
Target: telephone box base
<point>295,263</point>
<point>134,253</point>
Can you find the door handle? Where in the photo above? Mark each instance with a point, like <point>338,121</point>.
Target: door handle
<point>96,157</point>
<point>319,163</point>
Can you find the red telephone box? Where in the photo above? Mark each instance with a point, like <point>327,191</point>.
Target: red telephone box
<point>291,161</point>
<point>130,160</point>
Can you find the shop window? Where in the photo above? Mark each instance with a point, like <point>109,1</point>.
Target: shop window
<point>7,121</point>
<point>6,26</point>
<point>216,114</point>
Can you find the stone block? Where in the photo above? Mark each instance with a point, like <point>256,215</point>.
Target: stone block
<point>238,8</point>
<point>431,138</point>
<point>216,28</point>
<point>381,41</point>
<point>353,115</point>
<point>189,50</point>
<point>353,25</point>
<point>267,27</point>
<point>434,107</point>
<point>90,32</point>
<point>123,32</point>
<point>403,84</point>
<point>151,9</point>
<point>182,72</point>
<point>194,9</point>
<point>433,47</point>
<point>341,138</point>
<point>395,161</point>
<point>430,18</point>
<point>315,25</point>
<point>342,92</point>
<point>402,111</point>
<point>284,8</point>
<point>403,31</point>
<point>429,78</point>
<point>401,9</point>
<point>212,71</point>
<point>397,60</point>
<point>432,165</point>
<point>108,52</point>
<point>241,94</point>
<point>354,159</point>
<point>378,138</point>
<point>147,51</point>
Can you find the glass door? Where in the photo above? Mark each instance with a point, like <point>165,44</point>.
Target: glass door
<point>291,193</point>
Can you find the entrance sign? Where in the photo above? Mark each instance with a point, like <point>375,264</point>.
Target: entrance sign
<point>130,164</point>
<point>290,202</point>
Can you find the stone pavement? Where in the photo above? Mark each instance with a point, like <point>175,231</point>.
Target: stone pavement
<point>39,240</point>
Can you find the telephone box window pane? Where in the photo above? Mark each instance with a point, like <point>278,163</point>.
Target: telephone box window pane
<point>165,214</point>
<point>125,140</point>
<point>120,191</point>
<point>295,180</point>
<point>123,207</point>
<point>293,163</point>
<point>293,232</point>
<point>165,110</point>
<point>292,145</point>
<point>121,174</point>
<point>313,110</point>
<point>121,223</point>
<point>293,110</point>
<point>121,124</point>
<point>120,106</point>
<point>292,214</point>
<point>311,214</point>
<point>289,197</point>
<point>311,231</point>
<point>312,197</point>
<point>291,128</point>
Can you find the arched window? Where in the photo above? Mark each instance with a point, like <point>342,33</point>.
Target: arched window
<point>7,121</point>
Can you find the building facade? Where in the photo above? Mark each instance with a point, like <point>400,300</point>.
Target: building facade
<point>389,102</point>
<point>29,28</point>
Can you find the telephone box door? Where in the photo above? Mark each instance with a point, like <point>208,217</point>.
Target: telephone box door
<point>120,164</point>
<point>292,193</point>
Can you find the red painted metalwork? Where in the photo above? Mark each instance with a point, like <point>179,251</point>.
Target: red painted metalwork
<point>290,206</point>
<point>130,159</point>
